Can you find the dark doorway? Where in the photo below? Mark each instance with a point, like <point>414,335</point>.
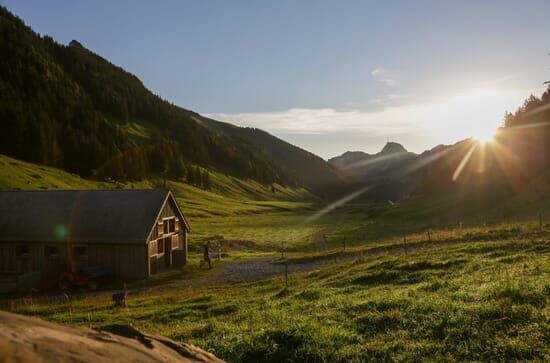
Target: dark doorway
<point>168,251</point>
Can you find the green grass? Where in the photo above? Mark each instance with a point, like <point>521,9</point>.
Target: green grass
<point>483,295</point>
<point>16,174</point>
<point>477,293</point>
<point>275,216</point>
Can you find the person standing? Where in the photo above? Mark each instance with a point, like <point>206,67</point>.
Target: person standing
<point>206,255</point>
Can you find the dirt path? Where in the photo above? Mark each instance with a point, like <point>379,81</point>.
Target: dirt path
<point>242,271</point>
<point>263,268</point>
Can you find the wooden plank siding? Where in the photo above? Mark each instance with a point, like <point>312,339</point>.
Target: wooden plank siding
<point>161,259</point>
<point>121,259</point>
<point>36,261</point>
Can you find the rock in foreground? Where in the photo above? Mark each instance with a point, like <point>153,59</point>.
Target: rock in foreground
<point>27,339</point>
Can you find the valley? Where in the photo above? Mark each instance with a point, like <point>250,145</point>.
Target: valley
<point>253,248</point>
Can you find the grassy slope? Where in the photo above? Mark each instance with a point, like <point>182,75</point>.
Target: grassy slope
<point>247,210</point>
<point>15,174</point>
<point>233,208</point>
<point>483,294</point>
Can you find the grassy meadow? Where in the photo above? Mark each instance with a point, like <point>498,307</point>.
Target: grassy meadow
<point>410,285</point>
<point>275,216</point>
<point>475,294</point>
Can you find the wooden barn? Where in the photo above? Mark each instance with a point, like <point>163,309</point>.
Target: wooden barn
<point>131,233</point>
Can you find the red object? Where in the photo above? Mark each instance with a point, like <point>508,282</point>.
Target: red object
<point>90,280</point>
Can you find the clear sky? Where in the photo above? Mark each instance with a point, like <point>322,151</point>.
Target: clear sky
<point>328,76</point>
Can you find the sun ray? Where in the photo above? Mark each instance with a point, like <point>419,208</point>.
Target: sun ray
<point>464,161</point>
<point>427,160</point>
<point>337,204</point>
<point>508,161</point>
<point>481,157</point>
<point>529,126</point>
<point>374,160</point>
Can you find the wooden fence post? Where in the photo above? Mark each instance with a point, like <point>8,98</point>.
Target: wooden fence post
<point>429,236</point>
<point>286,274</point>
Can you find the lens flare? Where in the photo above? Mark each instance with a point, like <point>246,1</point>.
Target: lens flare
<point>464,161</point>
<point>337,204</point>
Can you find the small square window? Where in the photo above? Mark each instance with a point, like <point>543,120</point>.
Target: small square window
<point>51,251</point>
<point>160,229</point>
<point>22,251</point>
<point>80,252</point>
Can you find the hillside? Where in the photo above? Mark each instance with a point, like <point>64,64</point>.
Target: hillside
<point>232,207</point>
<point>67,107</point>
<point>312,171</point>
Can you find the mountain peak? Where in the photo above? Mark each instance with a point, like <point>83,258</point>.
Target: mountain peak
<point>75,44</point>
<point>392,148</point>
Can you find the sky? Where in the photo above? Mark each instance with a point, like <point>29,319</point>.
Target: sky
<point>328,76</point>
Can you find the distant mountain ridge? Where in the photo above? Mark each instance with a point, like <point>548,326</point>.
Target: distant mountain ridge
<point>366,167</point>
<point>393,172</point>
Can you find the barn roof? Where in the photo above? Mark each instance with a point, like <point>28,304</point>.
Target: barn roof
<point>85,216</point>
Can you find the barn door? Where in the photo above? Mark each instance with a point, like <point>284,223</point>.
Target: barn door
<point>168,251</point>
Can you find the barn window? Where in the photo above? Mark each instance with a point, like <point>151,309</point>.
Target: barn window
<point>22,251</point>
<point>80,252</point>
<point>160,247</point>
<point>166,226</point>
<point>160,228</point>
<point>51,251</point>
<point>172,225</point>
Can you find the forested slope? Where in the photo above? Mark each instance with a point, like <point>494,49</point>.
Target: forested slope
<point>67,107</point>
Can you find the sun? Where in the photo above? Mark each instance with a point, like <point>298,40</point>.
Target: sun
<point>484,136</point>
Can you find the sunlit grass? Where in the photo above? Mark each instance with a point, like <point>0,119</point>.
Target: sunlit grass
<point>483,297</point>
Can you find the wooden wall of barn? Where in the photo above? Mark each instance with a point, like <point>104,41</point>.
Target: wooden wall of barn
<point>127,261</point>
<point>157,261</point>
<point>36,261</point>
